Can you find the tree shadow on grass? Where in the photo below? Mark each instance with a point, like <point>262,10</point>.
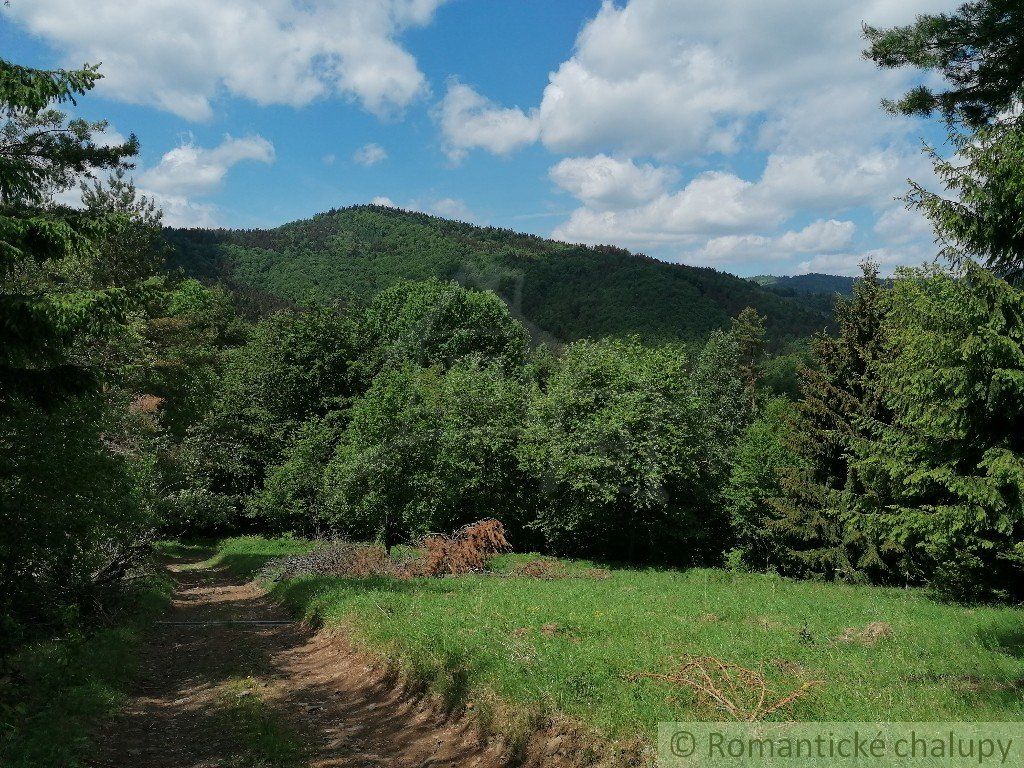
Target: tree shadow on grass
<point>1004,635</point>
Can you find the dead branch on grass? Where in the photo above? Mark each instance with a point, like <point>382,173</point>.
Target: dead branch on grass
<point>740,692</point>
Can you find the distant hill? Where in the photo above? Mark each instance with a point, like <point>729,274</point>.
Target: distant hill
<point>813,289</point>
<point>567,291</point>
<point>812,282</point>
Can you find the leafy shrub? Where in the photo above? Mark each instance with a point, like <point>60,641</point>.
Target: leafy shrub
<point>76,506</point>
<point>631,445</point>
<point>292,495</point>
<point>193,511</point>
<point>429,450</point>
<point>436,323</point>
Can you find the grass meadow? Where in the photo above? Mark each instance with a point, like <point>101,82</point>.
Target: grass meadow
<point>574,645</point>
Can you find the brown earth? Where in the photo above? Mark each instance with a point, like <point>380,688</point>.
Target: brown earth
<point>208,694</point>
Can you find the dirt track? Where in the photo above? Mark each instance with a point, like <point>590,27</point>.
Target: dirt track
<point>311,687</point>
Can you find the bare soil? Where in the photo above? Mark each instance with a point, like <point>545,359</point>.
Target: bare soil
<point>341,707</point>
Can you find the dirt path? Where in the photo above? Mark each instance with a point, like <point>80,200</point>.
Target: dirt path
<point>247,694</point>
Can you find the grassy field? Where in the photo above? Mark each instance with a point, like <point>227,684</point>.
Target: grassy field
<point>572,644</point>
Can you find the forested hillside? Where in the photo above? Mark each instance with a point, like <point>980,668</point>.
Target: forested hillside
<point>813,282</point>
<point>567,291</point>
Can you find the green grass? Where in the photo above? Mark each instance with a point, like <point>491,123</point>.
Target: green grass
<point>245,555</point>
<point>53,693</point>
<point>257,728</point>
<point>476,635</point>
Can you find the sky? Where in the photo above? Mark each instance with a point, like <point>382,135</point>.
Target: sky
<point>745,135</point>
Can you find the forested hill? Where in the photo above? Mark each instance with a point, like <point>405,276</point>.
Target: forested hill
<point>568,291</point>
<point>812,282</point>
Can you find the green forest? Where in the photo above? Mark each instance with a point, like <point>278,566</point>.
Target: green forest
<point>561,292</point>
<point>376,375</point>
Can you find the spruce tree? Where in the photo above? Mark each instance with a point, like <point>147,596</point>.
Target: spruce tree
<point>943,476</point>
<point>46,249</point>
<point>815,516</point>
<point>748,331</point>
<point>978,52</point>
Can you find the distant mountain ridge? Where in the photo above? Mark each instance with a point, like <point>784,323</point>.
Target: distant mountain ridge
<point>566,291</point>
<point>812,282</point>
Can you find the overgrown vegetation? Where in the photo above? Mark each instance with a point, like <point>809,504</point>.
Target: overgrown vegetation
<point>53,692</point>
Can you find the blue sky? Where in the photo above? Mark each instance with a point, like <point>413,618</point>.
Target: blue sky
<point>744,134</point>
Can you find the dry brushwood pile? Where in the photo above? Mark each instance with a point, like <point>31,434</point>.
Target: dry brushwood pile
<point>741,693</point>
<point>468,550</point>
<point>336,558</point>
<point>542,568</point>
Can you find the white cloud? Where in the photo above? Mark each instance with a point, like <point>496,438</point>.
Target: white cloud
<point>900,225</point>
<point>181,211</point>
<point>822,236</point>
<point>191,169</point>
<point>819,237</point>
<point>445,207</point>
<point>606,182</point>
<point>684,80</point>
<point>369,154</point>
<point>469,121</point>
<point>714,203</point>
<point>849,263</point>
<point>179,55</point>
<point>835,179</point>
<point>670,78</point>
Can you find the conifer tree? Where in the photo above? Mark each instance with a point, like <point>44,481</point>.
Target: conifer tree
<point>45,248</point>
<point>979,52</point>
<point>748,331</point>
<point>944,475</point>
<point>815,515</point>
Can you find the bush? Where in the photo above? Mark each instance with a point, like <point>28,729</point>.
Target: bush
<point>75,507</point>
<point>631,445</point>
<point>436,323</point>
<point>292,494</point>
<point>428,450</point>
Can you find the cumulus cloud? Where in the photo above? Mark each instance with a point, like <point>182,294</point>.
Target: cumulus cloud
<point>469,121</point>
<point>607,182</point>
<point>369,154</point>
<point>714,203</point>
<point>181,211</point>
<point>670,78</point>
<point>823,236</point>
<point>674,81</point>
<point>191,169</point>
<point>849,263</point>
<point>445,207</point>
<point>900,225</point>
<point>179,54</point>
<point>819,237</point>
